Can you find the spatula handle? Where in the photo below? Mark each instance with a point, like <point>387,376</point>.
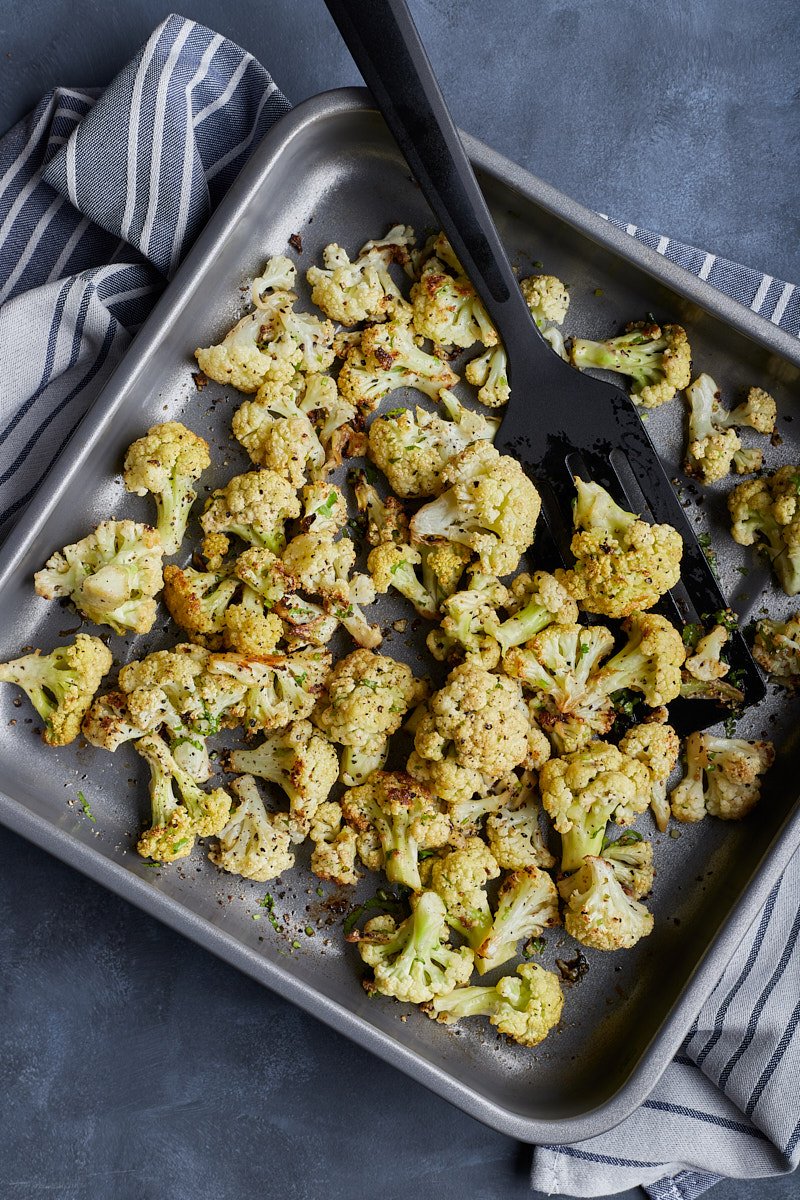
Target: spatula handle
<point>387,49</point>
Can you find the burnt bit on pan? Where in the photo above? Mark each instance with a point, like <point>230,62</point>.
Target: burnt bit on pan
<point>572,970</point>
<point>200,380</point>
<point>296,242</point>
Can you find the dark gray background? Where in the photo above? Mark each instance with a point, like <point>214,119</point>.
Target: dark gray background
<point>132,1064</point>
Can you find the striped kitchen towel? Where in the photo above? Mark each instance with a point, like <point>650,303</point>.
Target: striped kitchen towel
<point>101,193</point>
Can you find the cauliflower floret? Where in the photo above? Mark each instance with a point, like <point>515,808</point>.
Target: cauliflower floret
<point>321,567</point>
<point>279,275</point>
<point>657,360</point>
<point>278,435</point>
<point>622,565</point>
<point>758,412</point>
<point>443,565</point>
<point>711,446</point>
<point>362,290</point>
<point>705,663</point>
<point>254,350</point>
<point>108,724</point>
<point>395,566</point>
<point>61,685</point>
<point>535,602</point>
<point>412,451</point>
<point>460,879</point>
<point>447,310</point>
<point>254,843</point>
<point>723,777</point>
<point>631,859</point>
<point>769,509</point>
<point>254,507</point>
<point>198,601</point>
<point>299,761</point>
<point>324,508</point>
<point>467,618</point>
<point>514,832</point>
<point>777,648</point>
<point>745,462</point>
<point>583,791</point>
<point>489,374</point>
<point>405,817</point>
<point>268,693</point>
<point>489,504</point>
<point>385,519</point>
<point>526,904</point>
<point>335,846</point>
<point>474,731</point>
<point>250,628</point>
<point>524,1008</point>
<point>388,358</point>
<point>658,747</point>
<point>367,697</point>
<point>650,662</point>
<point>598,911</point>
<point>412,961</point>
<point>111,575</point>
<point>181,811</point>
<point>166,462</point>
<point>546,297</point>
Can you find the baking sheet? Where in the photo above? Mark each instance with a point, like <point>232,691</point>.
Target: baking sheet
<point>330,171</point>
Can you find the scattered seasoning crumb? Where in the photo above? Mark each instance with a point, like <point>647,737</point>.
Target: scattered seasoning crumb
<point>674,834</point>
<point>775,439</point>
<point>400,626</point>
<point>598,291</point>
<point>296,242</point>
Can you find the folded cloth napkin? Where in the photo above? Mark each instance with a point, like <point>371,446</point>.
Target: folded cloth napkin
<point>101,193</point>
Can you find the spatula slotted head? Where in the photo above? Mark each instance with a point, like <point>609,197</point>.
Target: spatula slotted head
<point>560,424</point>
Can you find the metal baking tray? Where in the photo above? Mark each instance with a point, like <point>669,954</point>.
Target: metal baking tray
<point>330,171</point>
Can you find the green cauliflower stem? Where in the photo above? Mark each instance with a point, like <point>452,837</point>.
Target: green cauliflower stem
<point>489,505</point>
<point>650,662</point>
<point>254,507</point>
<point>412,961</point>
<point>584,790</point>
<point>622,565</point>
<point>527,903</point>
<point>767,511</point>
<point>61,685</point>
<point>403,815</point>
<point>111,576</point>
<point>299,761</point>
<point>723,777</point>
<point>395,566</point>
<point>460,879</point>
<point>524,1007</point>
<point>656,359</point>
<point>598,912</point>
<point>254,843</point>
<point>165,463</point>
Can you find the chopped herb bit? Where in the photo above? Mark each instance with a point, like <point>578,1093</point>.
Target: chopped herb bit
<point>295,945</point>
<point>87,812</point>
<point>309,931</point>
<point>691,635</point>
<point>533,946</point>
<point>598,291</point>
<point>386,901</point>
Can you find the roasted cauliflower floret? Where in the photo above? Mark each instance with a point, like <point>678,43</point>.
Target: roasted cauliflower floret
<point>335,846</point>
<point>404,817</point>
<point>254,507</point>
<point>367,696</point>
<point>460,879</point>
<point>447,309</point>
<point>759,411</point>
<point>253,843</point>
<point>301,762</point>
<point>488,372</point>
<point>658,747</point>
<point>514,831</point>
<point>598,912</point>
<point>473,732</point>
<point>198,601</point>
<point>712,446</point>
<point>267,693</point>
<point>250,628</point>
<point>412,448</point>
<point>656,359</point>
<point>362,290</point>
<point>777,648</point>
<point>622,565</point>
<point>526,904</point>
<point>524,1007</point>
<point>394,565</point>
<point>535,601</point>
<point>61,685</point>
<point>489,505</point>
<point>165,463</point>
<point>767,511</point>
<point>111,575</point>
<point>412,961</point>
<point>704,663</point>
<point>631,859</point>
<point>181,810</point>
<point>723,777</point>
<point>583,791</point>
<point>467,618</point>
<point>546,297</point>
<point>386,358</point>
<point>278,435</point>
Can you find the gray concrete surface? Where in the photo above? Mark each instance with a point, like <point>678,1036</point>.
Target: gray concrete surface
<point>132,1064</point>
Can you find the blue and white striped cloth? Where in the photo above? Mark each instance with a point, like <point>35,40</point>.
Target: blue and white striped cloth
<point>100,196</point>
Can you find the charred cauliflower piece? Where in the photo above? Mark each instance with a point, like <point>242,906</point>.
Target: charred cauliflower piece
<point>386,358</point>
<point>111,575</point>
<point>777,648</point>
<point>254,507</point>
<point>447,310</point>
<point>622,565</point>
<point>403,816</point>
<point>165,463</point>
<point>61,685</point>
<point>657,747</point>
<point>335,846</point>
<point>182,811</point>
<point>362,290</point>
<point>198,602</point>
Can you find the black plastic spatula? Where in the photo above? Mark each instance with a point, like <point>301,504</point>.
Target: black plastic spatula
<point>559,423</point>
